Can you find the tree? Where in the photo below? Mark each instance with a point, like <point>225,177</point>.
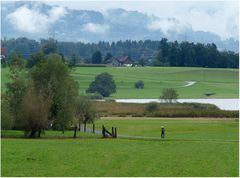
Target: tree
<point>162,56</point>
<point>97,57</point>
<point>35,59</point>
<point>142,61</point>
<point>139,84</point>
<point>17,86</point>
<point>34,112</point>
<point>7,120</point>
<point>107,58</point>
<point>52,80</point>
<point>85,112</point>
<point>73,61</point>
<point>16,63</point>
<point>103,84</point>
<point>49,46</point>
<point>151,107</point>
<point>169,95</point>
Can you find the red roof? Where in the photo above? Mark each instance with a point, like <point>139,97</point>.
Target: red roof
<point>124,59</point>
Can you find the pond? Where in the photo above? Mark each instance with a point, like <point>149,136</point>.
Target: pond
<point>225,104</point>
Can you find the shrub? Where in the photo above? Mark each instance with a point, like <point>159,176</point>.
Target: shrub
<point>139,84</point>
<point>111,100</point>
<point>95,96</point>
<point>151,107</point>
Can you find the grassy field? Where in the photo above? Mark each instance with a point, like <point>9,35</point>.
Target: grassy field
<point>222,82</point>
<point>193,147</point>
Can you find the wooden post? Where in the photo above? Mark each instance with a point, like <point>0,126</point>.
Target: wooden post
<point>93,130</point>
<point>115,134</point>
<point>85,127</point>
<point>103,131</point>
<point>75,132</point>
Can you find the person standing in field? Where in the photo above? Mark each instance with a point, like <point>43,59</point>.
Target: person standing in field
<point>163,132</point>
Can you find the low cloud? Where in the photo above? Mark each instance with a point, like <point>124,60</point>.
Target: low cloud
<point>168,25</point>
<point>95,28</point>
<point>32,20</point>
<point>223,21</point>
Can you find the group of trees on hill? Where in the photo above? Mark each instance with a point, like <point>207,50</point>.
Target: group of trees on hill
<point>154,53</point>
<point>195,55</point>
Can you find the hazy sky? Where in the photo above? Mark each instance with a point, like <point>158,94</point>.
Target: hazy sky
<point>220,17</point>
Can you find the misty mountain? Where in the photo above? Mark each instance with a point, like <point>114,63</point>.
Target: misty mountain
<point>38,20</point>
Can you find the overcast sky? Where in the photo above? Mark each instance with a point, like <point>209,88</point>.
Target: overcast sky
<point>220,17</point>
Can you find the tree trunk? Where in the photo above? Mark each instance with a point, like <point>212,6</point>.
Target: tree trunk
<point>33,133</point>
<point>93,128</point>
<point>85,129</point>
<point>75,132</point>
<point>79,126</point>
<point>39,133</point>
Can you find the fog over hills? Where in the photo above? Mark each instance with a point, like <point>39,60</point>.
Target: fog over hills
<point>39,20</point>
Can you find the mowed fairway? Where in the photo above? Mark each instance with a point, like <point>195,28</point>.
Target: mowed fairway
<point>193,147</point>
<point>222,82</point>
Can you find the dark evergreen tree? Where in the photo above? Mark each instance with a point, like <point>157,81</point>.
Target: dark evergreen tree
<point>97,57</point>
<point>107,58</point>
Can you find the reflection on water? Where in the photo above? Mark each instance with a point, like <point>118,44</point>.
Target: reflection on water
<point>226,104</point>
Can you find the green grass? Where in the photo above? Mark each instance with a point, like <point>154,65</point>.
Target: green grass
<point>193,147</point>
<point>196,129</point>
<point>223,82</point>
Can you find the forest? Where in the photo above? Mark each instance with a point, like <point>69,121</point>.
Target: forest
<point>148,52</point>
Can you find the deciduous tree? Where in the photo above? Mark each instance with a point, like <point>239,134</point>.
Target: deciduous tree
<point>103,84</point>
<point>169,95</point>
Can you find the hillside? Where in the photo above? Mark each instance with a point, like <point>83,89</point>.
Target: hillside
<point>189,82</point>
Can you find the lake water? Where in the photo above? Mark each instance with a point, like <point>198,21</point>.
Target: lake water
<point>225,104</point>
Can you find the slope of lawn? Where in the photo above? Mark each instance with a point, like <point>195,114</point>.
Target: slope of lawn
<point>193,147</point>
<point>222,82</point>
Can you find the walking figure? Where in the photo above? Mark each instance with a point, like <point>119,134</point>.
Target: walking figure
<point>162,132</point>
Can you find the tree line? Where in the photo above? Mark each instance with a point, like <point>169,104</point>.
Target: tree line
<point>148,52</point>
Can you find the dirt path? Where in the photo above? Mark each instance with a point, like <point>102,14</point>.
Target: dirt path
<point>189,83</point>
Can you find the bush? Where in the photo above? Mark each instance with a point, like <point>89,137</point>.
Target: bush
<point>139,84</point>
<point>169,95</point>
<point>95,96</point>
<point>151,107</point>
<point>103,84</point>
<point>111,100</point>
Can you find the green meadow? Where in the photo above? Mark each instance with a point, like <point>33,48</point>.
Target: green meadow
<point>223,82</point>
<point>192,147</point>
